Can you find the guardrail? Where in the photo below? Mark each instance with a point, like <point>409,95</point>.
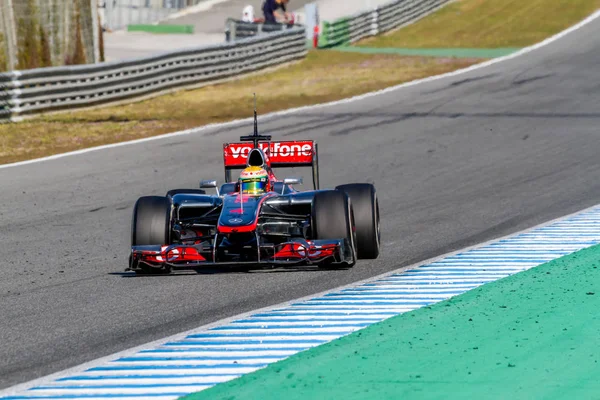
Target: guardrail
<point>380,19</point>
<point>236,29</point>
<point>48,89</point>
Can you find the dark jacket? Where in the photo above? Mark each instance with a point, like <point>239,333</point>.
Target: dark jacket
<point>270,6</point>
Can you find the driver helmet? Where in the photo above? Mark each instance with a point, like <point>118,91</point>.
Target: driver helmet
<point>254,180</point>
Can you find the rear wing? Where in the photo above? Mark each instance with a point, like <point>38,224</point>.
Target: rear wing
<point>298,153</point>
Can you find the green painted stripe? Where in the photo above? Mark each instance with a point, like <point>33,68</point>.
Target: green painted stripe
<point>533,335</point>
<point>335,33</point>
<point>459,53</point>
<point>161,28</point>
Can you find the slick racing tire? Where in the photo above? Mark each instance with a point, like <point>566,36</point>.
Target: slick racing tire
<point>150,226</point>
<point>366,213</point>
<point>332,218</point>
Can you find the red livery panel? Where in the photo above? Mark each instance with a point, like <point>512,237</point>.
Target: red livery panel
<point>299,152</point>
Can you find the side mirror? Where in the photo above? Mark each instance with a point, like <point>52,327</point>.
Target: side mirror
<point>292,181</point>
<point>209,184</point>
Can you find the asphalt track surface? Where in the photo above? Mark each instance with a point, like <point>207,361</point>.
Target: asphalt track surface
<point>456,161</point>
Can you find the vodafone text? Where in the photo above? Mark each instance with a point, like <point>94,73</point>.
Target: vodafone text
<point>277,149</point>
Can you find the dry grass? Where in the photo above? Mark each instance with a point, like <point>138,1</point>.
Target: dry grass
<point>323,76</point>
<point>489,24</point>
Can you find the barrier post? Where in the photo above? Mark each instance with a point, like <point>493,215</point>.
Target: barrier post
<point>375,21</point>
<point>232,29</point>
<point>311,23</point>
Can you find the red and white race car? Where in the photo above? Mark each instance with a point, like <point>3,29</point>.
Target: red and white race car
<point>189,229</point>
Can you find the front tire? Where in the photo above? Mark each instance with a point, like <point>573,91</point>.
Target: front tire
<point>150,227</point>
<point>366,211</point>
<point>333,218</point>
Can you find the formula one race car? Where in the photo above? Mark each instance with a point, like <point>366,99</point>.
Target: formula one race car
<point>256,220</point>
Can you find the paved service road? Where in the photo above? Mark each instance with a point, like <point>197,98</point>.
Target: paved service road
<point>213,20</point>
<point>209,28</point>
<point>125,45</point>
<point>456,161</point>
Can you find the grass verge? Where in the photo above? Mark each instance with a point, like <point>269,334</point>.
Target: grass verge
<point>488,24</point>
<point>323,76</point>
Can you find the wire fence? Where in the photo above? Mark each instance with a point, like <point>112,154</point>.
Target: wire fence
<point>44,33</point>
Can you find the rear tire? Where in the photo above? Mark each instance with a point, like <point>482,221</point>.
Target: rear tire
<point>150,227</point>
<point>366,211</point>
<point>333,218</point>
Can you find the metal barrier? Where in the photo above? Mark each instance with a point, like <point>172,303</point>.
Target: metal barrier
<point>236,29</point>
<point>380,19</point>
<point>47,89</point>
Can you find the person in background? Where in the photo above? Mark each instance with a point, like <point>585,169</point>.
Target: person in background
<point>270,12</point>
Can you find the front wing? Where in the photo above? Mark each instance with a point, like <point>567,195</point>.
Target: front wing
<point>294,252</point>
